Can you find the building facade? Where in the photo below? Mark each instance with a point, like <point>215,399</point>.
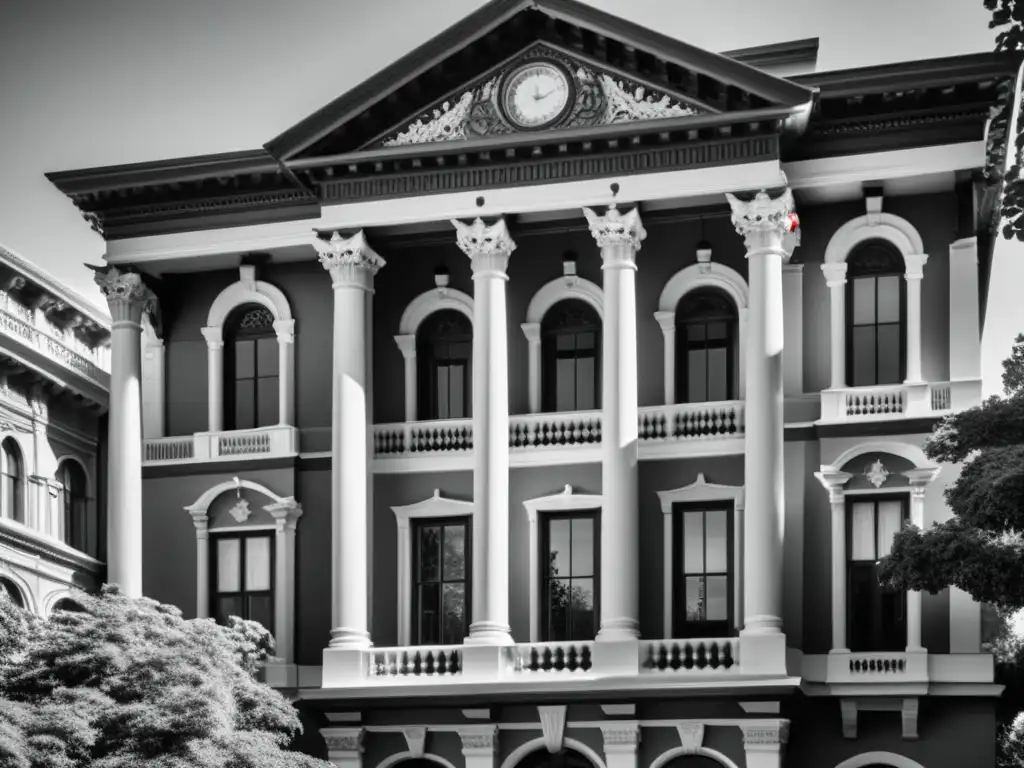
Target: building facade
<point>552,395</point>
<point>54,376</point>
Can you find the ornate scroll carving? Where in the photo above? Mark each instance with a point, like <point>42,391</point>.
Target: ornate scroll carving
<point>625,104</point>
<point>615,228</point>
<point>487,245</point>
<point>126,294</point>
<point>448,123</point>
<point>763,221</point>
<point>350,260</point>
<point>764,735</point>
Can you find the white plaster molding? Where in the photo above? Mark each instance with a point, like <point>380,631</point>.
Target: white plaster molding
<point>566,501</point>
<point>668,756</point>
<point>909,711</point>
<point>912,453</point>
<point>691,737</point>
<point>563,288</point>
<point>28,597</point>
<point>249,290</point>
<point>517,754</point>
<point>400,757</point>
<point>552,725</point>
<point>697,491</point>
<point>686,280</point>
<point>51,599</point>
<point>868,759</point>
<point>432,507</point>
<point>416,740</point>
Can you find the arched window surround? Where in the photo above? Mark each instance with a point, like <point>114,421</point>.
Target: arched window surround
<point>249,290</point>
<point>874,225</point>
<point>21,512</point>
<point>534,745</point>
<point>550,294</point>
<point>418,310</point>
<point>286,511</point>
<point>23,587</point>
<point>686,280</point>
<point>866,759</point>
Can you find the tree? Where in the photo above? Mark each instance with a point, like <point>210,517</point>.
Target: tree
<point>129,682</point>
<point>1008,17</point>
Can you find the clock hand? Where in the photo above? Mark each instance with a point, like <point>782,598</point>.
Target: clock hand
<point>541,96</point>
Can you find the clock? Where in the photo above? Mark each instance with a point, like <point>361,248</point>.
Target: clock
<point>536,94</point>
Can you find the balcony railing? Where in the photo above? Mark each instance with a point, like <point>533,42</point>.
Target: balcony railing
<point>898,401</point>
<point>877,667</point>
<point>262,443</point>
<point>57,349</point>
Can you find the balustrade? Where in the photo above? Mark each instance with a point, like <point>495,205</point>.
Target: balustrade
<point>55,346</point>
<point>265,442</point>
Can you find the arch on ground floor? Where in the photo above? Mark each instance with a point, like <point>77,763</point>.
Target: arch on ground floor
<point>20,584</point>
<point>666,758</point>
<point>879,759</point>
<point>62,599</point>
<point>410,760</point>
<point>524,751</point>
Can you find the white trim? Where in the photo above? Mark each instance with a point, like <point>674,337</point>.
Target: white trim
<point>517,754</point>
<point>671,754</point>
<point>908,451</point>
<point>398,757</point>
<point>865,759</point>
<point>431,507</point>
<point>249,290</point>
<point>565,501</point>
<point>54,597</point>
<point>691,278</point>
<point>550,294</point>
<point>697,491</point>
<point>207,497</point>
<point>153,381</point>
<point>21,583</point>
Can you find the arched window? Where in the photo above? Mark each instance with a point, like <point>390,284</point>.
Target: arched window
<point>875,315</point>
<point>693,761</point>
<point>12,470</point>
<point>706,355</point>
<point>252,369</point>
<point>571,350</point>
<point>565,758</point>
<point>444,351</point>
<point>75,506</point>
<point>10,589</point>
<point>67,604</point>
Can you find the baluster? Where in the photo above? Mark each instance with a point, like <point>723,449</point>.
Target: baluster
<point>727,658</point>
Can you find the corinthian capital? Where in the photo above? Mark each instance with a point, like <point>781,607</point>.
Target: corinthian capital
<point>765,222</point>
<point>126,294</point>
<point>350,260</point>
<point>616,228</point>
<point>487,245</point>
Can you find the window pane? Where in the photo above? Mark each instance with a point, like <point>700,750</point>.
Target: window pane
<point>456,390</point>
<point>245,404</point>
<point>559,544</point>
<point>890,518</point>
<point>245,358</point>
<point>863,355</point>
<point>718,367</point>
<point>696,376</point>
<point>267,410</point>
<point>717,331</point>
<point>864,301</point>
<point>583,547</point>
<point>261,609</point>
<point>861,599</point>
<point>558,609</point>
<point>257,564</point>
<point>429,549</point>
<point>695,598</point>
<point>228,606</point>
<point>586,379</point>
<point>565,342</point>
<point>454,614</point>
<point>862,539</point>
<point>889,299</point>
<point>582,605</point>
<point>229,565</point>
<point>454,552</point>
<point>442,392</point>
<point>586,340</point>
<point>717,522</point>
<point>717,598</point>
<point>693,542</point>
<point>565,384</point>
<point>695,332</point>
<point>429,621</point>
<point>267,356</point>
<point>889,354</point>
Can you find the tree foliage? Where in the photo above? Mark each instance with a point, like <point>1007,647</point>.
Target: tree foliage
<point>1008,18</point>
<point>129,683</point>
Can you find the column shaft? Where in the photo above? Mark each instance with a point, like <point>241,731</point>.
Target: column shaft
<point>214,378</point>
<point>913,328</point>
<point>286,367</point>
<point>835,279</point>
<point>839,573</point>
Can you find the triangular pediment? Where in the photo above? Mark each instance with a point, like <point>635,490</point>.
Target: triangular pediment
<point>456,86</point>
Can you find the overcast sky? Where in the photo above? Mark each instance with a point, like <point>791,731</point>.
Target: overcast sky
<point>104,82</point>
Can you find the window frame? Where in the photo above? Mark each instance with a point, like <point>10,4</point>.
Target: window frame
<point>220,534</point>
<point>68,503</point>
<point>550,354</point>
<point>10,449</point>
<point>683,346</point>
<point>233,334</point>
<point>876,640</point>
<point>681,627</point>
<point>896,269</point>
<point>427,339</point>
<point>546,519</point>
<point>418,524</point>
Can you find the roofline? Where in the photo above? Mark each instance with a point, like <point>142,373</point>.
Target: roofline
<point>54,286</point>
<point>775,54</point>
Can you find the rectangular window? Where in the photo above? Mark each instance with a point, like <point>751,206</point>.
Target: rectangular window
<point>570,553</point>
<point>876,618</point>
<point>703,570</point>
<point>705,361</point>
<point>441,581</point>
<point>256,382</point>
<point>572,356</point>
<point>451,380</point>
<point>876,331</point>
<point>243,577</point>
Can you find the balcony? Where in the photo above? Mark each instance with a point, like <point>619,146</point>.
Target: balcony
<point>53,344</point>
<point>898,401</point>
<point>262,443</point>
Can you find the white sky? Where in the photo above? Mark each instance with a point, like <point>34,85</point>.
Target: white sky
<point>105,82</point>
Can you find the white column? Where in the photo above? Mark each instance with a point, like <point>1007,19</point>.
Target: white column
<point>352,265</point>
<point>915,272</point>
<point>667,320</point>
<point>619,236</point>
<point>764,743</point>
<point>920,479</point>
<point>285,330</point>
<point>202,521</point>
<point>215,378</point>
<point>764,224</point>
<point>834,482</point>
<point>489,248</point>
<point>621,740</point>
<point>286,515</point>
<point>407,345</point>
<point>532,333</point>
<point>479,745</point>
<point>344,746</point>
<point>964,319</point>
<point>127,297</point>
<point>835,279</point>
<point>793,298</point>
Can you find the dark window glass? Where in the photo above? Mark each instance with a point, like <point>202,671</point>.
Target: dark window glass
<point>876,615</point>
<point>10,589</point>
<point>875,315</point>
<point>79,531</point>
<point>571,348</point>
<point>444,351</point>
<point>702,586</point>
<point>569,577</point>
<point>706,355</point>
<point>252,371</point>
<point>441,582</point>
<point>242,577</point>
<point>566,758</point>
<point>12,504</point>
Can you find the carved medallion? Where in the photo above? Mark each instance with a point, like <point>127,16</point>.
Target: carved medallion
<point>876,473</point>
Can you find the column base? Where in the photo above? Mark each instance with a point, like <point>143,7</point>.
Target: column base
<point>489,633</point>
<point>349,639</point>
<point>617,630</point>
<point>761,625</point>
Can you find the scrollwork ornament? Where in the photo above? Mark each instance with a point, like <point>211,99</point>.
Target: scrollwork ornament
<point>348,259</point>
<point>123,288</point>
<point>487,245</point>
<point>616,228</point>
<point>763,221</point>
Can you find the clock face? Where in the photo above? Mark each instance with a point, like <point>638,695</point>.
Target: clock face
<point>535,95</point>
